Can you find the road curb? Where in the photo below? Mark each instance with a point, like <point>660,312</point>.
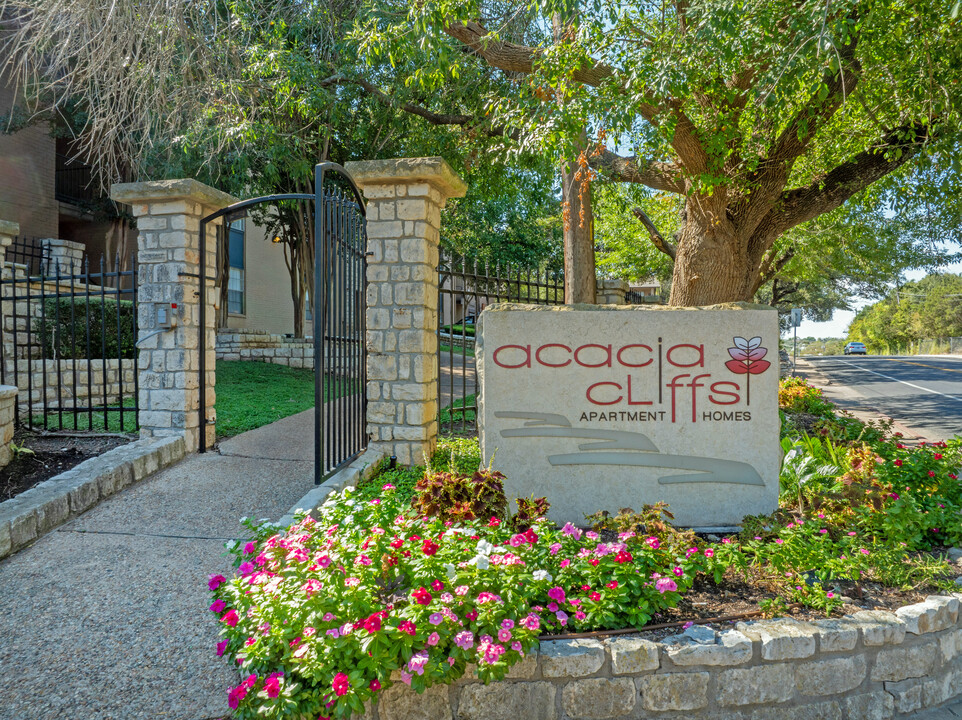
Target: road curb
<point>37,511</point>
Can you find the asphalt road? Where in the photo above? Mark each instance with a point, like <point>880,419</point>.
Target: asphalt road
<point>922,392</point>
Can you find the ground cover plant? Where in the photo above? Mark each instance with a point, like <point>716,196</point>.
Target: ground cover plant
<point>419,574</point>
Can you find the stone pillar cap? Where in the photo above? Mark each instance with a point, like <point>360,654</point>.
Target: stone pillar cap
<point>432,170</point>
<point>9,228</point>
<point>166,190</point>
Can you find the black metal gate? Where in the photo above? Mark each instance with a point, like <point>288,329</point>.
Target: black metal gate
<point>339,297</point>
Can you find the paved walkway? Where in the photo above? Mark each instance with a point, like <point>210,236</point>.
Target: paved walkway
<point>105,617</point>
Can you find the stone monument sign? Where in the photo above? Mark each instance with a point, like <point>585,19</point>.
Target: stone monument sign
<point>603,407</point>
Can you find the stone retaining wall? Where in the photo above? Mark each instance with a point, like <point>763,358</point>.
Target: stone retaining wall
<point>94,378</point>
<point>867,666</point>
<point>8,413</point>
<point>261,346</point>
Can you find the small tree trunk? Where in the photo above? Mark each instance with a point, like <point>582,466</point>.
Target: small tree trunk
<point>711,264</point>
<point>579,242</point>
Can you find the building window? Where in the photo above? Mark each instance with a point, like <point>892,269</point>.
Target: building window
<point>235,277</point>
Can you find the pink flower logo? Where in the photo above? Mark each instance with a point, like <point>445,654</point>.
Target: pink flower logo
<point>747,360</point>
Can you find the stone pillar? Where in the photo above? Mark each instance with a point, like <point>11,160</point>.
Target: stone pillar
<point>404,200</point>
<point>65,254</point>
<point>8,414</point>
<point>612,292</point>
<point>168,216</point>
<point>8,231</point>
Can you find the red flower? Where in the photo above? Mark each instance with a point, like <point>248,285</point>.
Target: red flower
<point>593,562</point>
<point>429,547</point>
<point>585,588</point>
<point>623,557</point>
<point>898,463</point>
<point>595,596</point>
<point>931,473</point>
<point>375,685</point>
<point>408,627</point>
<point>494,522</point>
<point>397,543</point>
<point>372,624</point>
<point>530,536</point>
<point>422,596</point>
<point>230,617</point>
<point>612,585</point>
<point>937,456</point>
<point>437,585</point>
<point>341,684</point>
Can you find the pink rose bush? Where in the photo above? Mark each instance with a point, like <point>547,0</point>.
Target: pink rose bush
<point>318,620</point>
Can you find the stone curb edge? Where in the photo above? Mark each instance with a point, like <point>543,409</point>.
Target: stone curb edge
<point>31,514</point>
<point>361,469</point>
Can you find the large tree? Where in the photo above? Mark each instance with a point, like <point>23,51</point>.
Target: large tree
<point>761,115</point>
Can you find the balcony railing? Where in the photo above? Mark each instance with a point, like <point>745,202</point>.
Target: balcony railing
<point>73,182</point>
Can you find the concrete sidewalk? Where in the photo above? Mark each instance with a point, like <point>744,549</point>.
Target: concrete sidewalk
<point>105,617</point>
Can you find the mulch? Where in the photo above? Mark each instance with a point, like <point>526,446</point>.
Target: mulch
<point>50,456</point>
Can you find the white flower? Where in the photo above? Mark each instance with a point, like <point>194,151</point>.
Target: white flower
<point>450,570</point>
<point>481,561</point>
<point>484,547</point>
<point>542,575</point>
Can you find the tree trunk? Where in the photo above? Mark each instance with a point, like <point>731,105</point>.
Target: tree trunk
<point>712,263</point>
<point>579,241</point>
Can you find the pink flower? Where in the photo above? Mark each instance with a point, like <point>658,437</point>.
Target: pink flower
<point>323,561</point>
<point>433,639</point>
<point>235,695</point>
<point>709,552</point>
<point>687,625</point>
<point>221,648</point>
<point>595,596</point>
<point>328,617</point>
<point>406,677</point>
<point>664,585</point>
<point>516,646</point>
<point>387,486</point>
<point>504,635</point>
<point>217,606</point>
<point>613,585</point>
<point>341,684</point>
<point>554,548</point>
<point>678,571</point>
<point>557,593</point>
<point>565,563</point>
<point>493,522</point>
<point>464,639</point>
<point>571,530</point>
<point>246,568</point>
<point>311,587</point>
<point>363,560</point>
<point>215,581</point>
<point>417,662</point>
<point>562,617</point>
<point>552,606</point>
<point>230,617</point>
<point>436,618</point>
<point>461,590</point>
<point>778,541</point>
<point>517,540</point>
<point>532,622</point>
<point>447,598</point>
<point>653,542</point>
<point>822,531</point>
<point>352,581</point>
<point>250,547</point>
<point>864,551</point>
<point>507,624</point>
<point>272,685</point>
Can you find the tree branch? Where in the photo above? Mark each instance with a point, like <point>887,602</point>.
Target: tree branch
<point>771,267</point>
<point>512,57</point>
<point>656,175</point>
<point>657,239</point>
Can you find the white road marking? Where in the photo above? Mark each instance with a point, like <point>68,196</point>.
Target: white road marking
<point>889,377</point>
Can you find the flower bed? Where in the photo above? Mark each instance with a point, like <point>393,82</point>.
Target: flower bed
<point>434,585</point>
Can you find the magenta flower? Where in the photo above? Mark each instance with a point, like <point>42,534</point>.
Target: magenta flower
<point>341,684</point>
<point>328,617</point>
<point>504,635</point>
<point>653,542</point>
<point>230,617</point>
<point>250,547</point>
<point>557,593</point>
<point>507,624</point>
<point>516,646</point>
<point>215,581</point>
<point>323,562</point>
<point>532,622</point>
<point>235,695</point>
<point>272,685</point>
<point>221,648</point>
<point>678,571</point>
<point>436,618</point>
<point>217,606</point>
<point>363,560</point>
<point>554,548</point>
<point>246,568</point>
<point>571,530</point>
<point>417,662</point>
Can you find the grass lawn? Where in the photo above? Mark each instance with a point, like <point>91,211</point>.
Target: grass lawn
<point>457,350</point>
<point>82,422</point>
<point>252,394</point>
<point>455,411</point>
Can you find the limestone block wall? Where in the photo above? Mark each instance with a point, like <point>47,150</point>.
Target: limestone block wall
<point>63,254</point>
<point>261,346</point>
<point>611,292</point>
<point>72,379</point>
<point>8,413</point>
<point>867,666</point>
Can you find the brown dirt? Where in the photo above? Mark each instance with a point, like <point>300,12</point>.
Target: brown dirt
<point>51,456</point>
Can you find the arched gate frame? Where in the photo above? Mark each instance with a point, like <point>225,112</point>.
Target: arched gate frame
<point>339,294</point>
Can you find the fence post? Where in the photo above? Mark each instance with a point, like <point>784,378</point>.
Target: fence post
<point>168,216</point>
<point>404,201</point>
<point>65,254</point>
<point>612,292</point>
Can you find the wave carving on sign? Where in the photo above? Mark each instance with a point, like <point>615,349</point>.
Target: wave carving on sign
<point>637,450</point>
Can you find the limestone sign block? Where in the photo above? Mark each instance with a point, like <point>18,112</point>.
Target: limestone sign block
<point>607,407</point>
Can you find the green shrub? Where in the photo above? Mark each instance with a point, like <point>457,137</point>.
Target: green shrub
<point>71,325</point>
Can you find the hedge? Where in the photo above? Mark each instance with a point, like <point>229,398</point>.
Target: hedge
<point>68,339</point>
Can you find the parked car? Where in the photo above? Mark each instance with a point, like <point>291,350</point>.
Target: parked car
<point>855,348</point>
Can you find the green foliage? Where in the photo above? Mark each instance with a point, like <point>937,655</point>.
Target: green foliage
<point>927,308</point>
<point>797,396</point>
<point>78,328</point>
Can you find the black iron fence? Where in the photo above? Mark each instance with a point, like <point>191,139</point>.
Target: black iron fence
<point>67,341</point>
<point>73,181</point>
<point>29,252</point>
<point>633,297</point>
<point>465,287</point>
